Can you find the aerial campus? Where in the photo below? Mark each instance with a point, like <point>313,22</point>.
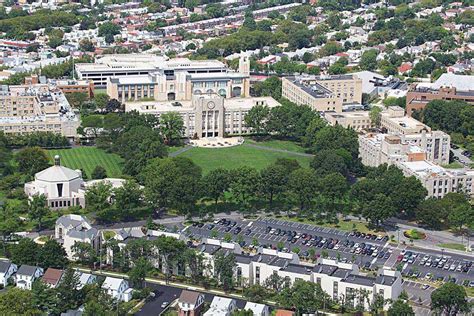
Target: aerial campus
<point>237,157</point>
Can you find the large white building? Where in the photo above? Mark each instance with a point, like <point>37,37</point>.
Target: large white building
<point>62,186</point>
<point>207,115</point>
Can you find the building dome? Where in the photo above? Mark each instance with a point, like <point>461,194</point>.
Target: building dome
<point>57,173</point>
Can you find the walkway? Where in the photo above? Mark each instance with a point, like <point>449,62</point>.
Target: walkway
<point>279,150</point>
<point>180,151</point>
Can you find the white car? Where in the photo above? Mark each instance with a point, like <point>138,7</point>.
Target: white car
<point>164,304</point>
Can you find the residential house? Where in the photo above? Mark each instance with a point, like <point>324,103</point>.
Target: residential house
<point>118,289</point>
<point>52,277</point>
<point>258,309</point>
<point>221,306</point>
<point>72,228</point>
<point>190,303</point>
<point>26,275</point>
<point>7,269</point>
<point>85,279</point>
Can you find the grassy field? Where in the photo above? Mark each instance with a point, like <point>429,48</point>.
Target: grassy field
<point>453,165</point>
<point>277,144</point>
<point>87,158</point>
<point>453,246</point>
<point>244,155</point>
<point>348,225</point>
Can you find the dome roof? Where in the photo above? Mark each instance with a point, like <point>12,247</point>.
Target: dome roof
<point>57,174</point>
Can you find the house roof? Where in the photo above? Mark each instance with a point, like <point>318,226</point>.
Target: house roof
<point>189,297</point>
<point>52,276</point>
<point>57,174</point>
<point>283,312</point>
<point>112,283</point>
<point>4,266</point>
<point>257,309</point>
<point>27,270</point>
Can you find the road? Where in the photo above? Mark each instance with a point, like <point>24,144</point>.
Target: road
<point>462,159</point>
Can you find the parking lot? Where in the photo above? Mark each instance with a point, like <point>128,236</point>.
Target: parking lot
<point>370,252</point>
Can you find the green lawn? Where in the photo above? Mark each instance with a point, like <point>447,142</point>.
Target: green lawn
<point>87,158</point>
<point>348,225</point>
<point>453,246</point>
<point>278,144</point>
<point>230,158</point>
<point>453,165</point>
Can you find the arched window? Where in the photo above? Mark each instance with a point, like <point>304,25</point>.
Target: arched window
<point>236,91</point>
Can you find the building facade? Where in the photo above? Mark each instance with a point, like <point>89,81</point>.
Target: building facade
<point>26,109</point>
<point>323,93</point>
<point>447,87</point>
<point>437,180</point>
<point>207,115</point>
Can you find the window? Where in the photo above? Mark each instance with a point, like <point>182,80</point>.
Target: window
<point>257,275</point>
<point>60,189</point>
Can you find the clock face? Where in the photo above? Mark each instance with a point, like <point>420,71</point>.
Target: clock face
<point>211,105</point>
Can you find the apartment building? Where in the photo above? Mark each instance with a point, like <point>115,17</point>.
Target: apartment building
<point>36,108</point>
<point>342,281</point>
<point>448,87</point>
<point>207,115</point>
<point>437,180</point>
<point>323,93</point>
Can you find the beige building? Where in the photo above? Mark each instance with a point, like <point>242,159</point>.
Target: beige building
<point>36,108</point>
<point>376,149</point>
<point>323,93</point>
<point>357,120</point>
<point>179,80</point>
<point>437,180</point>
<point>394,121</point>
<point>207,115</point>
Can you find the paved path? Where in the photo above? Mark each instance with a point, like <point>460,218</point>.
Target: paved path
<point>279,150</point>
<point>180,151</point>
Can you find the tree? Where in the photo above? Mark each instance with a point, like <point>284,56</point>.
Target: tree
<point>269,87</point>
<point>328,161</point>
<point>92,124</point>
<point>302,184</point>
<point>172,182</point>
<point>216,183</point>
<point>129,200</point>
<point>53,255</point>
<point>244,184</point>
<point>44,297</point>
<point>25,252</point>
<point>84,253</point>
<point>109,28</point>
<point>375,116</point>
<point>273,180</point>
<point>99,172</point>
<point>224,264</point>
<point>77,99</point>
<point>249,21</point>
<point>68,293</point>
<point>138,272</point>
<point>86,45</point>
<point>32,160</point>
<point>16,301</point>
<point>171,250</point>
<point>38,209</point>
<point>256,118</point>
<point>400,308</point>
<point>303,296</point>
<point>430,213</point>
<point>171,127</point>
<point>378,209</point>
<point>450,299</point>
<point>101,100</point>
<point>368,60</point>
<point>97,196</point>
